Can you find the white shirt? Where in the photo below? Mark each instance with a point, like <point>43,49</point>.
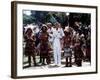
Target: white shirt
<point>50,34</point>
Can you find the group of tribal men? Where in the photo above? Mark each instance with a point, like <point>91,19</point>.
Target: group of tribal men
<point>53,42</point>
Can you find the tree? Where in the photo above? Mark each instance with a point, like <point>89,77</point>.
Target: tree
<point>28,19</point>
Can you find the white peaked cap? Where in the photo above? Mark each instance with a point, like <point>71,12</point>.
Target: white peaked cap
<point>66,28</point>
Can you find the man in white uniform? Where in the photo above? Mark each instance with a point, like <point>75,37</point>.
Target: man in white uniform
<point>57,36</point>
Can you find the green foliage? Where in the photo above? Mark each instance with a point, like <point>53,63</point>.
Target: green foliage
<point>28,19</point>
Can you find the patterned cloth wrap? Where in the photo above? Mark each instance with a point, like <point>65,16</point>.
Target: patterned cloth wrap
<point>44,45</point>
<point>30,47</point>
<point>67,51</point>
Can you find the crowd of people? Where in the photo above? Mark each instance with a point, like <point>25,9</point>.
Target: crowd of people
<point>52,42</point>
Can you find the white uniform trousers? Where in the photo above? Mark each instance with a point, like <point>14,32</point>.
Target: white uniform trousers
<point>57,52</point>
